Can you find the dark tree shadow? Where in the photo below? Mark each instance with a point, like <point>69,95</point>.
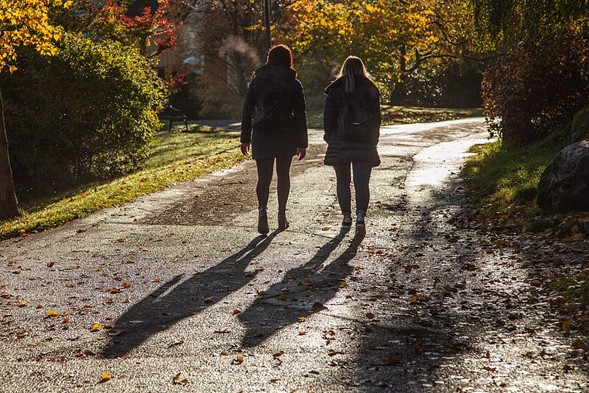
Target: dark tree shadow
<point>301,293</point>
<point>177,299</point>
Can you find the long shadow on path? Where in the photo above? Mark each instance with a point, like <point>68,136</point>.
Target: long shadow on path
<point>301,293</point>
<point>177,299</point>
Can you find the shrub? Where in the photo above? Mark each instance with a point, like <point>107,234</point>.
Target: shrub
<point>86,114</point>
<point>538,85</point>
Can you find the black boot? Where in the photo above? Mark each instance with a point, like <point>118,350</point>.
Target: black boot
<point>282,222</point>
<point>263,222</point>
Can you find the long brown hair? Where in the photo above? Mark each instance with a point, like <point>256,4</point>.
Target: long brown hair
<point>352,67</point>
<point>280,55</point>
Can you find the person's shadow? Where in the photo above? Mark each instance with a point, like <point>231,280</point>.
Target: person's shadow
<point>303,292</point>
<point>176,300</point>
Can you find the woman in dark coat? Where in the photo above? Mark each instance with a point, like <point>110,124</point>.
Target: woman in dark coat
<point>352,87</point>
<point>275,134</point>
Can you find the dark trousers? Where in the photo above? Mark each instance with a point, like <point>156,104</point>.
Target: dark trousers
<point>265,168</point>
<point>361,175</point>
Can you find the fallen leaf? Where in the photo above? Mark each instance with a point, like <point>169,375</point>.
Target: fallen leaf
<point>51,314</point>
<point>95,327</point>
<point>178,381</point>
<point>236,311</point>
<point>104,377</point>
<point>238,360</point>
<point>24,303</point>
<point>566,326</point>
<point>394,359</point>
<point>278,354</point>
<point>115,290</point>
<point>580,344</point>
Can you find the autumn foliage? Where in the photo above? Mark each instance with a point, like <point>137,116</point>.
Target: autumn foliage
<point>26,24</point>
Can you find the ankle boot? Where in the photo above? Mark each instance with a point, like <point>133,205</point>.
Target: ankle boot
<point>360,222</point>
<point>263,222</point>
<point>282,222</point>
<point>347,221</point>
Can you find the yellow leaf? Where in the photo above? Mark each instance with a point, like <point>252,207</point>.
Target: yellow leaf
<point>104,377</point>
<point>24,303</point>
<point>96,327</point>
<point>52,314</point>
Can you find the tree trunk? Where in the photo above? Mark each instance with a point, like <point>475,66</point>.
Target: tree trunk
<point>399,92</point>
<point>8,202</point>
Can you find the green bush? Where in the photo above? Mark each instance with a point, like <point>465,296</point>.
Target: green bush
<point>86,114</point>
<point>539,85</point>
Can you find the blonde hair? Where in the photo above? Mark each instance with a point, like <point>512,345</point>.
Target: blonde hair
<point>352,66</point>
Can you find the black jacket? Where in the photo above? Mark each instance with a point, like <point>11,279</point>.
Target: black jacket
<point>340,150</point>
<point>283,141</point>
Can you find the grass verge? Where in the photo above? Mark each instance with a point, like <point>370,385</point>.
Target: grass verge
<point>502,183</point>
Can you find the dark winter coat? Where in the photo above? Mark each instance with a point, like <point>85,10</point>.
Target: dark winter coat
<point>340,150</point>
<point>284,140</point>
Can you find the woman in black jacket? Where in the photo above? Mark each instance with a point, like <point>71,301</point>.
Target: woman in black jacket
<point>274,122</point>
<point>352,89</point>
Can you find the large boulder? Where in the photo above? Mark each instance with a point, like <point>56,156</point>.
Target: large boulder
<point>581,125</point>
<point>564,185</point>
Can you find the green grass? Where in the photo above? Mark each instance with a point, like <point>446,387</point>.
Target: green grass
<point>402,115</point>
<point>409,115</point>
<point>176,157</point>
<point>502,183</point>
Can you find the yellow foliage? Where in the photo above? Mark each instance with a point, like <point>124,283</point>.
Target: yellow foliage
<point>26,23</point>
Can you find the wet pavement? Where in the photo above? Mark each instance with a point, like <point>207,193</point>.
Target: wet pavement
<point>177,292</point>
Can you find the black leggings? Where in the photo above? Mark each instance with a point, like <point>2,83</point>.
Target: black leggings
<point>265,167</point>
<point>362,171</point>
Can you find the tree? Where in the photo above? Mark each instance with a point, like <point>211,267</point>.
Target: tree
<point>22,23</point>
<point>511,22</point>
<point>394,38</point>
<point>539,79</point>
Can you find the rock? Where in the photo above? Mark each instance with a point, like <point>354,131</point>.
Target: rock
<point>581,125</point>
<point>564,185</point>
